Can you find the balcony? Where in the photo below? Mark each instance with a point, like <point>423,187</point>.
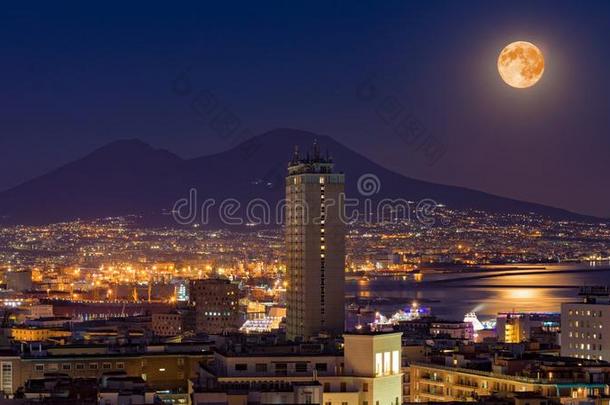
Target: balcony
<point>432,381</point>
<point>466,384</point>
<point>433,396</point>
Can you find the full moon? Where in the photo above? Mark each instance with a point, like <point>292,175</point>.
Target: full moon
<point>521,64</point>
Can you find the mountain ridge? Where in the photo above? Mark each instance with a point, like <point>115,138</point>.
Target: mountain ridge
<point>132,177</point>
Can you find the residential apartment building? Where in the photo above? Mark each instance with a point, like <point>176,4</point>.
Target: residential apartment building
<point>163,367</point>
<point>436,383</point>
<point>513,327</point>
<point>452,329</point>
<point>216,304</point>
<point>585,325</point>
<point>367,372</point>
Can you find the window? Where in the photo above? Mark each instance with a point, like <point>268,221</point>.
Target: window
<point>7,377</point>
<point>321,366</point>
<point>92,366</point>
<point>326,387</point>
<point>365,387</point>
<point>343,387</point>
<point>281,369</point>
<point>241,367</point>
<point>378,364</point>
<point>395,362</point>
<point>180,361</point>
<point>300,367</point>
<point>80,366</point>
<point>120,365</point>
<point>261,367</point>
<point>106,366</point>
<point>39,367</point>
<point>387,363</point>
<point>66,366</point>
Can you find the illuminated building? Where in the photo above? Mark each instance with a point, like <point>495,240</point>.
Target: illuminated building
<point>181,290</point>
<point>433,327</point>
<point>452,329</point>
<point>259,325</point>
<point>162,367</point>
<point>522,327</point>
<point>36,334</point>
<point>585,326</point>
<point>216,305</point>
<point>369,371</point>
<point>315,247</point>
<point>267,323</point>
<point>436,383</point>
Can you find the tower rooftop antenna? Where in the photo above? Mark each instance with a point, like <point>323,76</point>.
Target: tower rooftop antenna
<point>316,150</point>
<point>295,155</point>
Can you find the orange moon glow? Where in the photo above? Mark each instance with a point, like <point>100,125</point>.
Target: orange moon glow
<point>521,64</point>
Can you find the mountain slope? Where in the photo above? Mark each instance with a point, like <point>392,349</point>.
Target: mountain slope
<point>122,177</point>
<point>130,177</point>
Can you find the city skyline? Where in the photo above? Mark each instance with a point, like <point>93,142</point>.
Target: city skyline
<point>381,203</point>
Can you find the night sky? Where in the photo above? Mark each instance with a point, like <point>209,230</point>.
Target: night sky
<point>79,76</point>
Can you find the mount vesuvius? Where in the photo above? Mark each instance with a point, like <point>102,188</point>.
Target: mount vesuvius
<point>131,177</point>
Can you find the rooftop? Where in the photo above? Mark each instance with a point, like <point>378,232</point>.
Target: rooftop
<point>312,162</point>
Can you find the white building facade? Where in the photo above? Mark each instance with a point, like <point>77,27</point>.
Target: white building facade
<point>585,326</point>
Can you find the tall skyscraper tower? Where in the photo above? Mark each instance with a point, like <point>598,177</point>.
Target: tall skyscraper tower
<point>315,244</point>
